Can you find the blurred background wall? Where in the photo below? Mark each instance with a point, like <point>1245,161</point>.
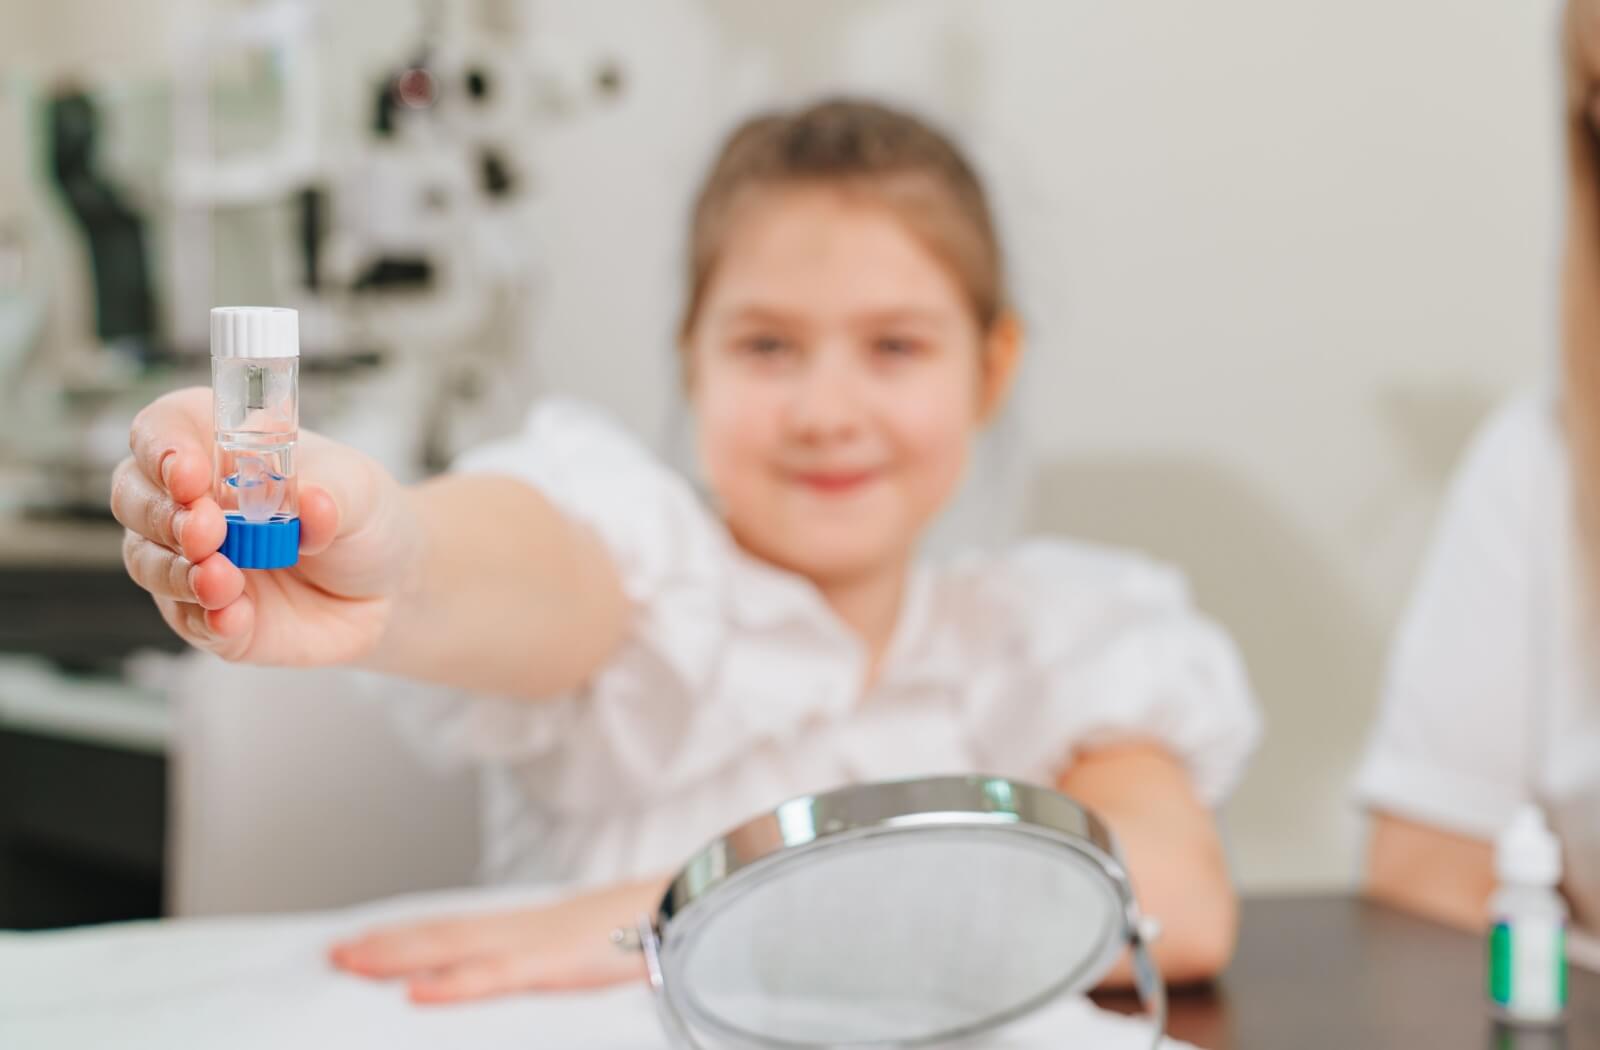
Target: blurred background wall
<point>1276,260</point>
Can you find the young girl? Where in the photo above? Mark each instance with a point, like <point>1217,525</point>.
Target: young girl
<point>647,669</point>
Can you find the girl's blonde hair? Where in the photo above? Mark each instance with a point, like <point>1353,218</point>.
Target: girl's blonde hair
<point>862,148</point>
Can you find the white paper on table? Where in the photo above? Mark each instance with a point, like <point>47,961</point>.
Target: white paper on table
<point>264,982</point>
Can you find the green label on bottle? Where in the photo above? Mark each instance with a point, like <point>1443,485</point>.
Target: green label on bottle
<point>1500,964</point>
<point>1528,967</point>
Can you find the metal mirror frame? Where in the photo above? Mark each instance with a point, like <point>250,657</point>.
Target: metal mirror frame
<point>747,856</point>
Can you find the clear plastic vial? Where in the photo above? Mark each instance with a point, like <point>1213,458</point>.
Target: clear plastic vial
<point>1528,926</point>
<point>255,368</point>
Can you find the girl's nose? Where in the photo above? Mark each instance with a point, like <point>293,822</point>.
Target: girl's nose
<point>826,404</point>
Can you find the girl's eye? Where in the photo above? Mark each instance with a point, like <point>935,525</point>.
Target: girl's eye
<point>762,345</point>
<point>895,346</point>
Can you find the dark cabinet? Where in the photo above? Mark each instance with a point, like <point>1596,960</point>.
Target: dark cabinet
<point>82,832</point>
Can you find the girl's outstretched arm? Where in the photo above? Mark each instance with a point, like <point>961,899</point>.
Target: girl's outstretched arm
<point>506,594</point>
<point>473,581</point>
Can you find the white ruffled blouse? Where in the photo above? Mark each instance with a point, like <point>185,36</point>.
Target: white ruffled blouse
<point>737,686</point>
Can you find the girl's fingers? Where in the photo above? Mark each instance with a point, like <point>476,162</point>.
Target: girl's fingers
<point>563,947</point>
<point>147,509</point>
<point>319,519</point>
<point>171,443</point>
<point>234,623</point>
<point>210,584</point>
<point>188,620</point>
<point>408,950</point>
<point>143,507</point>
<point>481,979</point>
<point>157,569</point>
<point>224,632</point>
<point>592,963</point>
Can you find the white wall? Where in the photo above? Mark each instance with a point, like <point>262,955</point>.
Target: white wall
<point>1276,259</point>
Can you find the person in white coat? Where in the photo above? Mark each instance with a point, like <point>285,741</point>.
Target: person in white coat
<point>1493,693</point>
<point>641,668</point>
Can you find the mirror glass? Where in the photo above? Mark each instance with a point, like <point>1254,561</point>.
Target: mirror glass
<point>908,935</point>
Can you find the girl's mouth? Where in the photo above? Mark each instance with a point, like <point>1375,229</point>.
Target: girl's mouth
<point>833,482</point>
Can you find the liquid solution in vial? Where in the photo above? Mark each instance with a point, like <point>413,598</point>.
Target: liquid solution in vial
<point>255,365</point>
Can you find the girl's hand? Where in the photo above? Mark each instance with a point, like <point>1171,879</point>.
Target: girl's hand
<point>1583,58</point>
<point>563,947</point>
<point>358,542</point>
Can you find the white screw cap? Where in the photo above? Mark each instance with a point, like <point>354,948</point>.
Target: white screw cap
<point>255,332</point>
<point>1527,852</point>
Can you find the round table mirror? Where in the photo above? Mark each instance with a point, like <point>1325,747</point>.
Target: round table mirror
<point>904,914</point>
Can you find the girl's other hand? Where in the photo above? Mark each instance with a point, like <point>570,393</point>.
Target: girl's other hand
<point>562,947</point>
<point>358,543</point>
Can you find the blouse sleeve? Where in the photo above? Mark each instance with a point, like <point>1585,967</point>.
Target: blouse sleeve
<point>1451,741</point>
<point>1106,648</point>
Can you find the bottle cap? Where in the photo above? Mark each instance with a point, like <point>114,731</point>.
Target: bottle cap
<point>1527,852</point>
<point>255,332</point>
<point>273,544</point>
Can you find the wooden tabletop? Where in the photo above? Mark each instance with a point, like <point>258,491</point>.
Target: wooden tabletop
<point>1340,973</point>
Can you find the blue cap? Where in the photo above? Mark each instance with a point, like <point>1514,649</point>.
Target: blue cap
<point>270,544</point>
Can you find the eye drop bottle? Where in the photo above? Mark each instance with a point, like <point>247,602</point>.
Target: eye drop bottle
<point>1528,925</point>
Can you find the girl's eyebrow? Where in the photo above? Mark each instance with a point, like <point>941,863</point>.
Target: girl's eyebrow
<point>766,313</point>
<point>902,315</point>
<point>760,313</point>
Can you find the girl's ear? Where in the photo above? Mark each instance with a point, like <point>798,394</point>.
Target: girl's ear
<point>1002,355</point>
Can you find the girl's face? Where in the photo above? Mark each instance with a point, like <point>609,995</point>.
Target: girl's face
<point>838,375</point>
